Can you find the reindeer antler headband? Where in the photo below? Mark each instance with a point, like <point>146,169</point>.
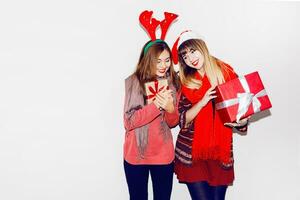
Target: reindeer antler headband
<point>151,24</point>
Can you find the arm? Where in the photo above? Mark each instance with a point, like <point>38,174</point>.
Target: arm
<point>193,112</point>
<point>140,116</point>
<point>173,117</point>
<point>135,114</point>
<point>183,106</point>
<point>241,126</point>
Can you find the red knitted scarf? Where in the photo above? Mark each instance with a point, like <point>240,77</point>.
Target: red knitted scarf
<point>212,140</point>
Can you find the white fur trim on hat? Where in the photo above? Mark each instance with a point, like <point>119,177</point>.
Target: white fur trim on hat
<point>187,35</point>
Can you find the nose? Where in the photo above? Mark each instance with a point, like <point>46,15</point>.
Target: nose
<point>163,65</point>
<point>190,57</point>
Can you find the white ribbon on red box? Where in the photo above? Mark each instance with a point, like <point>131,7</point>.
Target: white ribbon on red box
<point>244,100</point>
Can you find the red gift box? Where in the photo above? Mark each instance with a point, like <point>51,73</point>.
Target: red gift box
<point>154,87</point>
<point>241,97</point>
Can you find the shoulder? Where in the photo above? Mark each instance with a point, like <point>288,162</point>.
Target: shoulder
<point>227,70</point>
<point>225,66</point>
<point>132,79</point>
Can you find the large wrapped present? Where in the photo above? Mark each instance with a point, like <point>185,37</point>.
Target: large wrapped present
<point>241,97</point>
<point>154,87</point>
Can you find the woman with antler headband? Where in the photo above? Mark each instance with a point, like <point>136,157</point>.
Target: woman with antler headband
<point>204,159</point>
<point>148,146</point>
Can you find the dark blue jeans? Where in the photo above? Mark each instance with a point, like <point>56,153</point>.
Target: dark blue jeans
<point>137,180</point>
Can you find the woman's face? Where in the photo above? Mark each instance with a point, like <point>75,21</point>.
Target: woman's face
<point>193,58</point>
<point>163,63</point>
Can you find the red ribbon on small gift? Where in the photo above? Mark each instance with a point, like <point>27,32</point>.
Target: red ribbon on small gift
<point>154,90</point>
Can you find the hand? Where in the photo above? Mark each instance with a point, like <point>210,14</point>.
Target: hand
<point>241,123</point>
<point>165,100</point>
<point>209,95</point>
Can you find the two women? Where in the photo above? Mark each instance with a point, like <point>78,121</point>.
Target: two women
<point>203,152</point>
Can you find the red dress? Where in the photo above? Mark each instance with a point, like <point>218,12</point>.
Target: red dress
<point>188,168</point>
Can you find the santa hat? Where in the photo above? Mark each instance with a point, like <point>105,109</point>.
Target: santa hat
<point>184,36</point>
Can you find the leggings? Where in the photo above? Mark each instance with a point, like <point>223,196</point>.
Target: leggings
<point>203,191</point>
<point>137,180</point>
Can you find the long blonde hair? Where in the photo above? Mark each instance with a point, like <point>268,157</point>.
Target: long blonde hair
<point>211,65</point>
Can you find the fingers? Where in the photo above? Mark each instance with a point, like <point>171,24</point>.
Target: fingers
<point>211,88</point>
<point>244,121</point>
<point>166,93</point>
<point>228,124</point>
<point>158,103</point>
<point>210,94</point>
<point>211,91</point>
<point>165,100</point>
<point>161,97</point>
<point>212,97</point>
<point>241,123</point>
<point>162,101</point>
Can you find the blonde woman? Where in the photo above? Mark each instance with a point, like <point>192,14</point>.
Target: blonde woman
<point>204,159</point>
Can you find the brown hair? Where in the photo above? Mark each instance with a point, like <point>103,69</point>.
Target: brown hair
<point>146,67</point>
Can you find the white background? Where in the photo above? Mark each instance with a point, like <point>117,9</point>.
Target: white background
<point>62,70</point>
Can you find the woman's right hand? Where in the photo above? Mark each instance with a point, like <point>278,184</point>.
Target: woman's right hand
<point>209,95</point>
<point>165,100</point>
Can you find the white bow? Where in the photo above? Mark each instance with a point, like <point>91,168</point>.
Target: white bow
<point>244,100</point>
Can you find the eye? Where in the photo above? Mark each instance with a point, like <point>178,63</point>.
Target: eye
<point>192,50</point>
<point>168,60</point>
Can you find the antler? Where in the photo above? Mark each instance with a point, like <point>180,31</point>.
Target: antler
<point>150,24</point>
<point>165,24</point>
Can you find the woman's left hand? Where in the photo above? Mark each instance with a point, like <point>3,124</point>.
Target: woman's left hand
<point>165,100</point>
<point>241,123</point>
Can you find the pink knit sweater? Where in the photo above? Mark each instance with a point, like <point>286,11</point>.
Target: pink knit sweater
<point>159,151</point>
